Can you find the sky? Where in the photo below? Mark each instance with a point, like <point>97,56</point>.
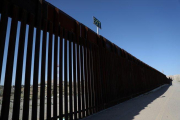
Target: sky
<point>147,29</point>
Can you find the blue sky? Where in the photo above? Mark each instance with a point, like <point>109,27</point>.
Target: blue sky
<point>147,29</point>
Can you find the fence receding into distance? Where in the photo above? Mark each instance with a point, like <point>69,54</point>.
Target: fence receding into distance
<point>52,66</point>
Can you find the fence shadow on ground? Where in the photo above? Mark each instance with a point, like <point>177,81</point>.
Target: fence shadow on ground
<point>129,109</point>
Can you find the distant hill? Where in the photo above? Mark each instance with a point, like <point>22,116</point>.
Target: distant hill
<point>174,77</point>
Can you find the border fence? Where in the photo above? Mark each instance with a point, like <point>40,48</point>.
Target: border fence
<point>74,71</point>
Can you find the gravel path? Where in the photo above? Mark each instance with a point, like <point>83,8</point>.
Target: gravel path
<point>160,104</point>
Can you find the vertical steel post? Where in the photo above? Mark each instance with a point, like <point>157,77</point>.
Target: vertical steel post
<point>97,30</point>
